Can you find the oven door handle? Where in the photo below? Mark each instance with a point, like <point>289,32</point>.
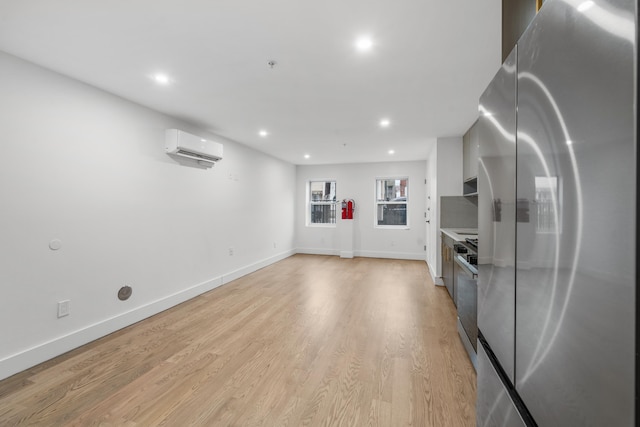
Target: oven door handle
<point>466,267</point>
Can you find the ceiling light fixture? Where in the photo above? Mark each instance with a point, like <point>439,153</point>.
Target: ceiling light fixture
<point>306,156</point>
<point>263,133</point>
<point>385,123</point>
<point>364,43</point>
<point>392,152</point>
<point>161,79</point>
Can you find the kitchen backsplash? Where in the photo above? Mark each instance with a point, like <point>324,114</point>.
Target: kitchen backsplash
<point>459,212</point>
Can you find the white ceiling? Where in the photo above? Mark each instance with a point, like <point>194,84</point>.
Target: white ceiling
<point>430,62</point>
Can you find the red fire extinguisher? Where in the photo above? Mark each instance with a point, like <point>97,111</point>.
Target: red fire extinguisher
<point>348,206</point>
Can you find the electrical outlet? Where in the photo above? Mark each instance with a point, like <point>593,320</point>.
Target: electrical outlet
<point>230,251</point>
<point>64,308</point>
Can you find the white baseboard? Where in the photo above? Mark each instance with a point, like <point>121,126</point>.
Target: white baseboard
<point>28,358</point>
<point>236,274</point>
<point>436,279</point>
<point>418,256</point>
<point>317,251</point>
<point>346,254</point>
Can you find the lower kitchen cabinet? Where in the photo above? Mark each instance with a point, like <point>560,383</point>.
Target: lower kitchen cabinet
<point>447,266</point>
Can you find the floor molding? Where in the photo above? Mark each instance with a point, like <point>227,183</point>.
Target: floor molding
<point>318,251</point>
<point>417,256</point>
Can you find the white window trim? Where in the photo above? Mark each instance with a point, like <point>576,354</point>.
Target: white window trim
<point>307,207</point>
<point>376,204</point>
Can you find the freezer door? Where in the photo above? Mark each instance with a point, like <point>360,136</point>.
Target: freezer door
<point>496,214</point>
<point>494,407</point>
<point>576,207</point>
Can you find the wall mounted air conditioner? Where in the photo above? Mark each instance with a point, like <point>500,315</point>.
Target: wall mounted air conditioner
<point>183,144</point>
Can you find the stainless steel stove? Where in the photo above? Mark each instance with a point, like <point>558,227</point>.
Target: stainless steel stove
<point>473,242</point>
<point>468,250</point>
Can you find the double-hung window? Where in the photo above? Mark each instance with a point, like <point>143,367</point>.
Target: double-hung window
<point>322,203</point>
<point>392,198</point>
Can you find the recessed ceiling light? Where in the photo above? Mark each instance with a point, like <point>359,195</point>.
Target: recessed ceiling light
<point>364,43</point>
<point>306,156</point>
<point>263,133</point>
<point>392,152</point>
<point>385,123</point>
<point>161,79</point>
<point>203,140</point>
<point>585,6</point>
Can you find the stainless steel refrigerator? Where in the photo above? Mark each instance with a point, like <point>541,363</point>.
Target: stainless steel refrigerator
<point>557,189</point>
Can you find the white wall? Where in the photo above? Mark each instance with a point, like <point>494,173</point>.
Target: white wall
<point>357,181</point>
<point>88,168</point>
<point>432,228</point>
<point>444,178</point>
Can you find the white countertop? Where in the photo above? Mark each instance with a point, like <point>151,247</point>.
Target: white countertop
<point>460,234</point>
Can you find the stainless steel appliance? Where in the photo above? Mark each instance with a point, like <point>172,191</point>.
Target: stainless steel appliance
<point>450,249</point>
<point>466,273</point>
<point>557,183</point>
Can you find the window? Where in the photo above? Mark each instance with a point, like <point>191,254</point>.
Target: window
<point>391,202</point>
<point>322,202</point>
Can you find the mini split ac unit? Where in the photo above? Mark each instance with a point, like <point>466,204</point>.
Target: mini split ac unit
<point>183,144</point>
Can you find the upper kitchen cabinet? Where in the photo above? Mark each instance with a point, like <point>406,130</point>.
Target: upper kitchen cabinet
<point>470,161</point>
<point>516,17</point>
<point>470,153</point>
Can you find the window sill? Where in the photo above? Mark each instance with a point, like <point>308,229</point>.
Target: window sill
<point>392,227</point>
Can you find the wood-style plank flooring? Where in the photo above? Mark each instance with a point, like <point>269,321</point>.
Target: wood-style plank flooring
<point>309,341</point>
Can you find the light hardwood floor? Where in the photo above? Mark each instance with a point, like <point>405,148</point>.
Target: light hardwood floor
<point>309,341</point>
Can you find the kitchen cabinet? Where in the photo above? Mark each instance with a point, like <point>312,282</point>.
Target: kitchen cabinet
<point>466,142</point>
<point>470,153</point>
<point>447,265</point>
